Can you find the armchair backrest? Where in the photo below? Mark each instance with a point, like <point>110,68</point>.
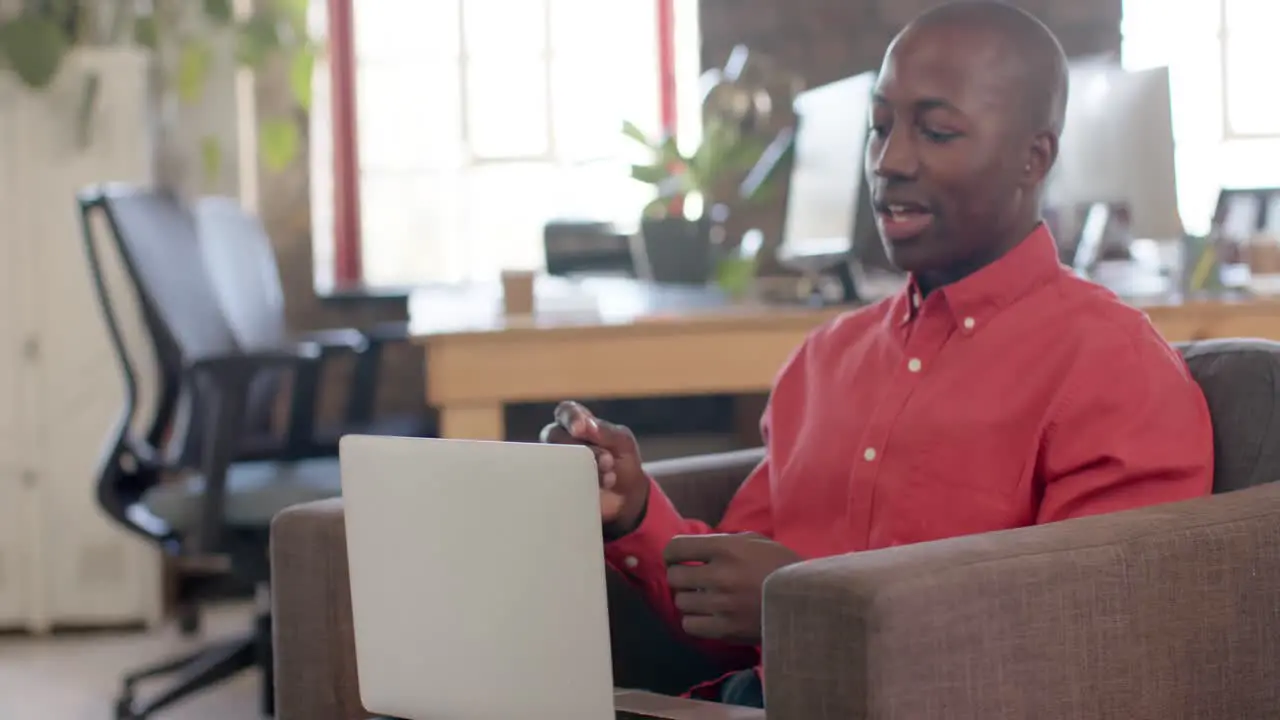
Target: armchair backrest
<point>1241,382</point>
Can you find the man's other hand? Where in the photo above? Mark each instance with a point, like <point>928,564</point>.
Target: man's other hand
<point>718,582</point>
<point>624,488</point>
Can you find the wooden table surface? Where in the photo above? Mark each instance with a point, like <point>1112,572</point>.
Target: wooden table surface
<point>619,338</point>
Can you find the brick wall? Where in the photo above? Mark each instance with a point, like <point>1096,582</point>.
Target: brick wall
<point>825,40</point>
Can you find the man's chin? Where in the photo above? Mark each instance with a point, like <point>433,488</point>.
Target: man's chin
<point>911,255</point>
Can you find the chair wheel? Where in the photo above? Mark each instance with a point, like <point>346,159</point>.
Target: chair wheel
<point>124,709</point>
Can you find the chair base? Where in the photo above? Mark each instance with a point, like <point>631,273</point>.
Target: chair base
<point>201,670</point>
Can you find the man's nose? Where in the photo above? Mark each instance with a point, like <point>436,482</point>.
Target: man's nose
<point>897,159</point>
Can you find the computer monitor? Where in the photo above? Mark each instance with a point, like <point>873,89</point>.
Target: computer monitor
<point>827,197</point>
<point>1117,148</point>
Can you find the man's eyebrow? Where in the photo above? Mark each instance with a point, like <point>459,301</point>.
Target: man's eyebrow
<point>921,105</point>
<point>931,103</point>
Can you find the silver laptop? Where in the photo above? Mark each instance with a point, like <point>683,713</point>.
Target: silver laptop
<point>477,579</point>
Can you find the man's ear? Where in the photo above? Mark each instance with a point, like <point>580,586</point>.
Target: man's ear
<point>1040,158</point>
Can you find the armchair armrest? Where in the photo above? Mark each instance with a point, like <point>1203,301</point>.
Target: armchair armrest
<point>314,638</point>
<point>701,486</point>
<point>1168,611</point>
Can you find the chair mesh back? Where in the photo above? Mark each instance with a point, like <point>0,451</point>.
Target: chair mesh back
<point>157,236</point>
<point>157,239</point>
<point>242,266</point>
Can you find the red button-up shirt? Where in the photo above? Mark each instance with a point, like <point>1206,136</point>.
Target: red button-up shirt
<point>1019,395</point>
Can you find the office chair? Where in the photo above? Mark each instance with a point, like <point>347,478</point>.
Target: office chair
<point>206,510</point>
<point>241,263</point>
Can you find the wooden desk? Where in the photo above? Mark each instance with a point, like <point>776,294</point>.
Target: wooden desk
<point>615,338</point>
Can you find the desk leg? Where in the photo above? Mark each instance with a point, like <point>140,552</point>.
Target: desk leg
<point>472,422</point>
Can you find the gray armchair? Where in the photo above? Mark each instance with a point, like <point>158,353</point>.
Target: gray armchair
<point>1164,612</point>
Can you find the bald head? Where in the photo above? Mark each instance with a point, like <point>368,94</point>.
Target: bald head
<point>966,114</point>
<point>1027,53</point>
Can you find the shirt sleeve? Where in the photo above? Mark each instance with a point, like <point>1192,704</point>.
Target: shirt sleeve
<point>1132,429</point>
<point>638,555</point>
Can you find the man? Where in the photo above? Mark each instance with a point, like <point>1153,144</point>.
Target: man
<point>997,391</point>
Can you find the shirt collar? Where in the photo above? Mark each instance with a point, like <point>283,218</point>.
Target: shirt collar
<point>977,298</point>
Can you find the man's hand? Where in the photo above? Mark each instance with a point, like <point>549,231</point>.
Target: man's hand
<point>718,582</point>
<point>624,488</point>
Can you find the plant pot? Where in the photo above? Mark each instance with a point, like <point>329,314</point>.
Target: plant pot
<point>675,250</point>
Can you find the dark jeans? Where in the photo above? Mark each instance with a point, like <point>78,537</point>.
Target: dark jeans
<point>744,689</point>
<point>647,655</point>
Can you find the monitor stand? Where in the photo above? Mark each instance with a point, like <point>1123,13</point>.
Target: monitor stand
<point>1093,235</point>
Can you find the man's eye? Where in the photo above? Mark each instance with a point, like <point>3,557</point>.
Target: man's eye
<point>939,136</point>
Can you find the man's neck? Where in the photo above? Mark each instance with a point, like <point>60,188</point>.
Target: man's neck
<point>927,282</point>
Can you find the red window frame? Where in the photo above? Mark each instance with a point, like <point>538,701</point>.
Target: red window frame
<point>347,239</point>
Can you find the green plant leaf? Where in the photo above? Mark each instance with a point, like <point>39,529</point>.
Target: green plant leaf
<point>735,274</point>
<point>669,153</point>
<point>294,13</point>
<point>34,47</point>
<point>278,141</point>
<point>300,72</point>
<point>194,62</point>
<point>256,39</point>
<point>652,174</point>
<point>634,132</point>
<point>144,31</point>
<point>656,209</point>
<point>220,12</point>
<point>211,159</point>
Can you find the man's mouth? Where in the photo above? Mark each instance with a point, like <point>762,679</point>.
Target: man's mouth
<point>902,221</point>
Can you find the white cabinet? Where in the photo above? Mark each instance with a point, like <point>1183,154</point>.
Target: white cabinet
<point>62,560</point>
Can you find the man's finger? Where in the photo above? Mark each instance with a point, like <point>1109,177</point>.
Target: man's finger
<point>689,577</point>
<point>697,548</point>
<point>575,418</point>
<point>557,434</point>
<point>586,427</point>
<point>711,627</point>
<point>701,603</point>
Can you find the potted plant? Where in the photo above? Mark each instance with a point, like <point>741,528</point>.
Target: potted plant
<point>680,230</point>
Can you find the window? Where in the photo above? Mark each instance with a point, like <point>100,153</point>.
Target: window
<point>1225,125</point>
<point>1250,55</point>
<point>479,120</point>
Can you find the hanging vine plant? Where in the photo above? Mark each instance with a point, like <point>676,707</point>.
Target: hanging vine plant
<point>180,37</point>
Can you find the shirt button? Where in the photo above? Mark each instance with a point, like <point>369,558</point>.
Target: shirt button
<point>913,364</point>
<point>631,562</point>
<point>969,323</point>
<point>869,454</point>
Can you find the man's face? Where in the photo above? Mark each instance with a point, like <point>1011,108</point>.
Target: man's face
<point>948,151</point>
